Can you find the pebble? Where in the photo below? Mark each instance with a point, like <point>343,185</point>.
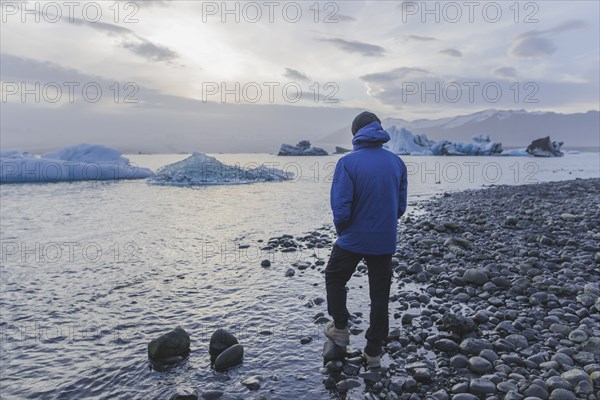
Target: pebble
<point>473,346</point>
<point>578,336</point>
<point>446,345</point>
<point>252,382</point>
<point>475,276</point>
<point>482,386</point>
<point>562,394</point>
<point>347,384</point>
<point>575,375</point>
<point>212,394</point>
<point>536,391</point>
<point>479,365</point>
<point>306,340</point>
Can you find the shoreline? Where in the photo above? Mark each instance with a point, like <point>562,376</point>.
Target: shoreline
<point>506,302</point>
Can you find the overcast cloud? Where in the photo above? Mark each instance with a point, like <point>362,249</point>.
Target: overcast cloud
<point>337,61</point>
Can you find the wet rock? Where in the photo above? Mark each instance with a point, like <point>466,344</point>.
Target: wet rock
<point>473,346</point>
<point>371,377</point>
<point>220,341</point>
<point>560,328</point>
<point>592,345</point>
<point>185,394</point>
<point>290,272</point>
<point>519,341</point>
<point>479,365</point>
<point>230,357</point>
<point>440,395</point>
<point>536,391</point>
<point>265,263</point>
<point>584,388</point>
<point>584,358</point>
<point>458,323</point>
<point>410,385</point>
<point>409,315</point>
<point>465,396</point>
<point>446,345</point>
<point>459,361</point>
<point>575,375</point>
<point>421,375</point>
<point>397,384</point>
<point>514,395</point>
<point>252,383</point>
<point>556,382</point>
<point>332,351</point>
<point>489,355</point>
<point>578,336</point>
<point>475,276</point>
<point>171,345</point>
<point>212,394</point>
<point>481,386</point>
<point>306,340</point>
<point>507,386</point>
<point>347,384</point>
<point>334,366</point>
<point>562,394</point>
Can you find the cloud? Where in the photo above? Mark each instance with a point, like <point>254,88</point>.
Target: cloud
<point>420,38</point>
<point>191,123</point>
<point>129,39</point>
<point>535,44</point>
<point>532,47</point>
<point>295,75</point>
<point>352,46</point>
<point>390,76</point>
<point>505,72</point>
<point>150,51</point>
<point>451,52</point>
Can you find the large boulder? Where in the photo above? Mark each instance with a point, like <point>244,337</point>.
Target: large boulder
<point>544,147</point>
<point>220,341</point>
<point>170,347</point>
<point>230,357</point>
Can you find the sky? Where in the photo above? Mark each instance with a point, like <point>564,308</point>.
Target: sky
<point>234,76</point>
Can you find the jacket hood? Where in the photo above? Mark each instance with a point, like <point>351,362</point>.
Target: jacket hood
<point>371,135</point>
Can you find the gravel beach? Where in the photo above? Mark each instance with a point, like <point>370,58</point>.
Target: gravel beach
<point>495,295</point>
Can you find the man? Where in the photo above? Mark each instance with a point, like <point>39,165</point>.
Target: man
<point>368,195</point>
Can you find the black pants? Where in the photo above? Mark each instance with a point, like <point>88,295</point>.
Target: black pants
<point>340,268</point>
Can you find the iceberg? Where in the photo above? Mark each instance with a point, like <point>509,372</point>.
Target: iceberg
<point>404,142</point>
<point>544,147</point>
<point>76,163</point>
<point>303,148</point>
<point>516,153</point>
<point>201,169</point>
<point>341,150</point>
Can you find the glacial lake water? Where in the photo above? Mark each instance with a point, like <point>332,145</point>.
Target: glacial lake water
<point>92,271</point>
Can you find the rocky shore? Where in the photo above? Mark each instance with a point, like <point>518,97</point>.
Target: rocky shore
<point>495,296</point>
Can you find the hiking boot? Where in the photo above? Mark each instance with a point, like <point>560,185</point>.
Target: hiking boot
<point>372,362</point>
<point>341,337</point>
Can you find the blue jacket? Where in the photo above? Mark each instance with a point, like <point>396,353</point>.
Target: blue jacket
<point>368,194</point>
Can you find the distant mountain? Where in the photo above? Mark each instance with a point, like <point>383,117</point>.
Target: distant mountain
<point>511,127</point>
